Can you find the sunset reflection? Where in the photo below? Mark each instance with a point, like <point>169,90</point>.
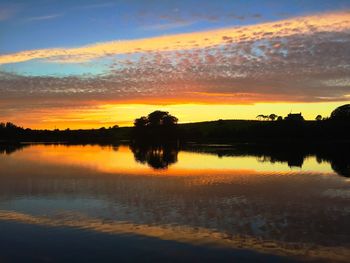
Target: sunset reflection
<point>120,160</point>
<point>200,199</point>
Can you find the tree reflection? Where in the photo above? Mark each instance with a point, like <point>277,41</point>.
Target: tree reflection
<point>11,148</point>
<point>339,159</point>
<point>336,154</point>
<point>293,160</point>
<point>341,167</point>
<point>158,156</point>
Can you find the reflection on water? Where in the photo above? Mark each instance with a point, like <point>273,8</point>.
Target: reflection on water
<point>196,157</point>
<point>202,197</point>
<point>156,156</point>
<point>11,148</point>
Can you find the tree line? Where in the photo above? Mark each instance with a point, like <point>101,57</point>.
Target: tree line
<point>162,126</point>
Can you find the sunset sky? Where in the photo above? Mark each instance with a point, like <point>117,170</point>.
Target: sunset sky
<point>88,63</point>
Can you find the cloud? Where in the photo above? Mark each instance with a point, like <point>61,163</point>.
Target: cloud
<point>297,60</point>
<point>334,22</point>
<point>45,17</point>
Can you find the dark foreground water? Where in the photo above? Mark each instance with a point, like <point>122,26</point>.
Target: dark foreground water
<point>205,204</point>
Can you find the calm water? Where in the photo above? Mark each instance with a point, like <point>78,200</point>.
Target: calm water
<point>204,204</point>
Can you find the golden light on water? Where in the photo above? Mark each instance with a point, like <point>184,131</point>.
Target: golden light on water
<point>120,160</point>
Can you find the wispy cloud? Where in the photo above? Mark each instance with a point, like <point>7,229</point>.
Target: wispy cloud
<point>44,17</point>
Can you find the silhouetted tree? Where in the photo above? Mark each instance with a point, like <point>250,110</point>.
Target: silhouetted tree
<point>272,116</point>
<point>141,122</point>
<point>318,118</point>
<point>10,125</point>
<point>262,117</point>
<point>159,118</point>
<point>341,113</point>
<point>157,126</point>
<point>169,120</point>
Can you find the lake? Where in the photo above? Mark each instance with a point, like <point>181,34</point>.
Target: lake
<point>198,203</point>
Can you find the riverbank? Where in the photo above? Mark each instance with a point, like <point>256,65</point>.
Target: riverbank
<point>221,131</point>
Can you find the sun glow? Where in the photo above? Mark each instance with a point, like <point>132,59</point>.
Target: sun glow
<point>107,115</point>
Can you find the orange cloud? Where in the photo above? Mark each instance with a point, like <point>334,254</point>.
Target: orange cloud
<point>333,22</point>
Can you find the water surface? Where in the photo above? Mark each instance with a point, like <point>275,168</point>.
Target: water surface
<point>209,203</point>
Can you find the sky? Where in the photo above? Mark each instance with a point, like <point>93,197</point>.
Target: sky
<point>88,64</point>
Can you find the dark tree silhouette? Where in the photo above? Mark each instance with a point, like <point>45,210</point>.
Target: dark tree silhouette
<point>273,116</point>
<point>159,118</point>
<point>318,118</point>
<point>9,126</point>
<point>141,122</point>
<point>262,117</point>
<point>341,113</point>
<point>156,118</point>
<point>157,126</point>
<point>169,121</point>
